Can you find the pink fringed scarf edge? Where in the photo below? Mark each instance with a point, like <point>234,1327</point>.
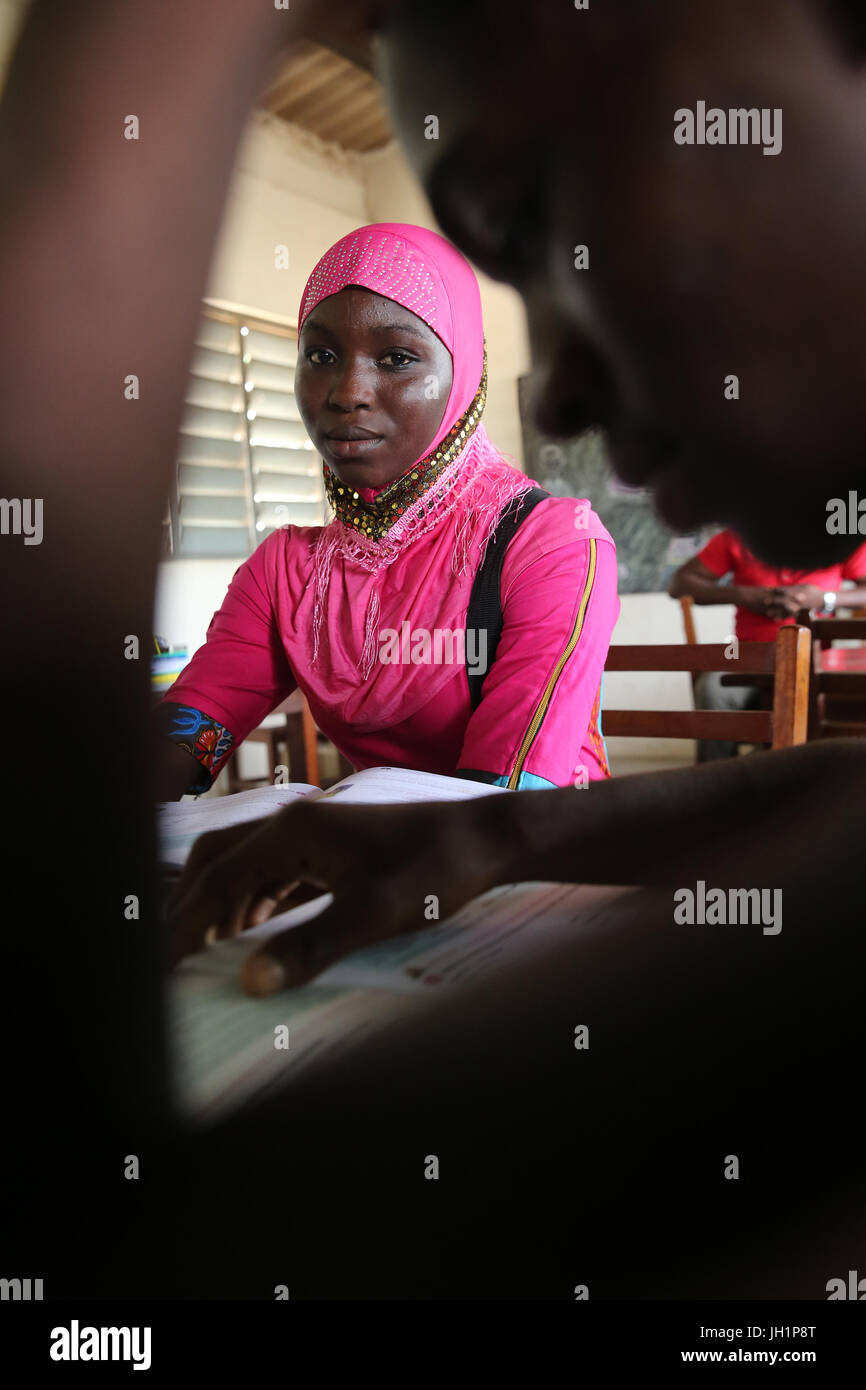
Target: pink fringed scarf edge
<point>477,487</point>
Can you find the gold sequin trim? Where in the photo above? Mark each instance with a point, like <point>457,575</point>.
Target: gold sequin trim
<point>375,519</point>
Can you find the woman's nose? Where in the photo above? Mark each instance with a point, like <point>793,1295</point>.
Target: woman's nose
<point>352,387</point>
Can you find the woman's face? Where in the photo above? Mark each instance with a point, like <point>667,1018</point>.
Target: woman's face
<point>372,383</point>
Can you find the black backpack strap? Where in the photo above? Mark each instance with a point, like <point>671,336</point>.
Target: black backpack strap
<point>485,601</point>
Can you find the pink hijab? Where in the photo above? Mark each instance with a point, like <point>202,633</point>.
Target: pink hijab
<point>424,273</point>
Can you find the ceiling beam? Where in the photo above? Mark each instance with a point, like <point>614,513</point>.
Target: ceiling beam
<point>356,48</point>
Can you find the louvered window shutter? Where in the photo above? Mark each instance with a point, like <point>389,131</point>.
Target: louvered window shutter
<point>245,465</point>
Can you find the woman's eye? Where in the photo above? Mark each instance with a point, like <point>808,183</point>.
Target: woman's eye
<point>397,359</point>
<point>315,354</point>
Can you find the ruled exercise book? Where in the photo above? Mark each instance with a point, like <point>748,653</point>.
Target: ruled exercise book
<point>228,1048</point>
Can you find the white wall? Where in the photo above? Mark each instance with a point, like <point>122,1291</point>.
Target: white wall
<point>188,595</point>
<point>289,189</point>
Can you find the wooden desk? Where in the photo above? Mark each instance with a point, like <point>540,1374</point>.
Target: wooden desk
<point>843,659</point>
<point>838,703</point>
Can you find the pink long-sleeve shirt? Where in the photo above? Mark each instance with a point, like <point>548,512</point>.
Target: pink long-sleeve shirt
<point>538,720</point>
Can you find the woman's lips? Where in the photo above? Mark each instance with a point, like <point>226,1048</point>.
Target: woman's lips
<point>353,448</point>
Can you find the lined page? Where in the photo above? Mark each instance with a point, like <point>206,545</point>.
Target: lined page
<point>383,785</point>
<point>179,823</point>
<point>223,1042</point>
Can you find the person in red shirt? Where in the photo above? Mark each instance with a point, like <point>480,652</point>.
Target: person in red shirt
<point>766,598</point>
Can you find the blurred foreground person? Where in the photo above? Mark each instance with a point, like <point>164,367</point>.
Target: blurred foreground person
<point>603,1169</point>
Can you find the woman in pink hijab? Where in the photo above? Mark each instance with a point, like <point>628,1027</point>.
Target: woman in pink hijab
<point>423,634</point>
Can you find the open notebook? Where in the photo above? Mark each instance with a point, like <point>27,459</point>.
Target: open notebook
<point>228,1048</point>
<point>179,823</point>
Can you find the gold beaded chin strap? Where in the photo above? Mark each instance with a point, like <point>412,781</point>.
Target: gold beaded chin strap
<point>375,519</point>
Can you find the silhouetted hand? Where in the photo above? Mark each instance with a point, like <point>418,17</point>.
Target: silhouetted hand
<point>380,863</point>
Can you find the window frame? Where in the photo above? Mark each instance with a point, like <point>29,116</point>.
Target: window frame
<point>172,548</point>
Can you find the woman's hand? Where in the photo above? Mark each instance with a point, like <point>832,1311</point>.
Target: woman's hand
<point>381,864</point>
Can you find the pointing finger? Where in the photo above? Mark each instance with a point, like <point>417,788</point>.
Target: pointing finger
<point>295,956</point>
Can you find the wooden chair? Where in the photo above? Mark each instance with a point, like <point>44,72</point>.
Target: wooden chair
<point>786,660</point>
<point>687,605</point>
<point>837,688</point>
<point>289,727</point>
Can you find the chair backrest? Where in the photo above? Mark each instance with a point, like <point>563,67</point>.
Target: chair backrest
<point>837,629</point>
<point>837,693</point>
<point>786,659</point>
<point>687,604</point>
